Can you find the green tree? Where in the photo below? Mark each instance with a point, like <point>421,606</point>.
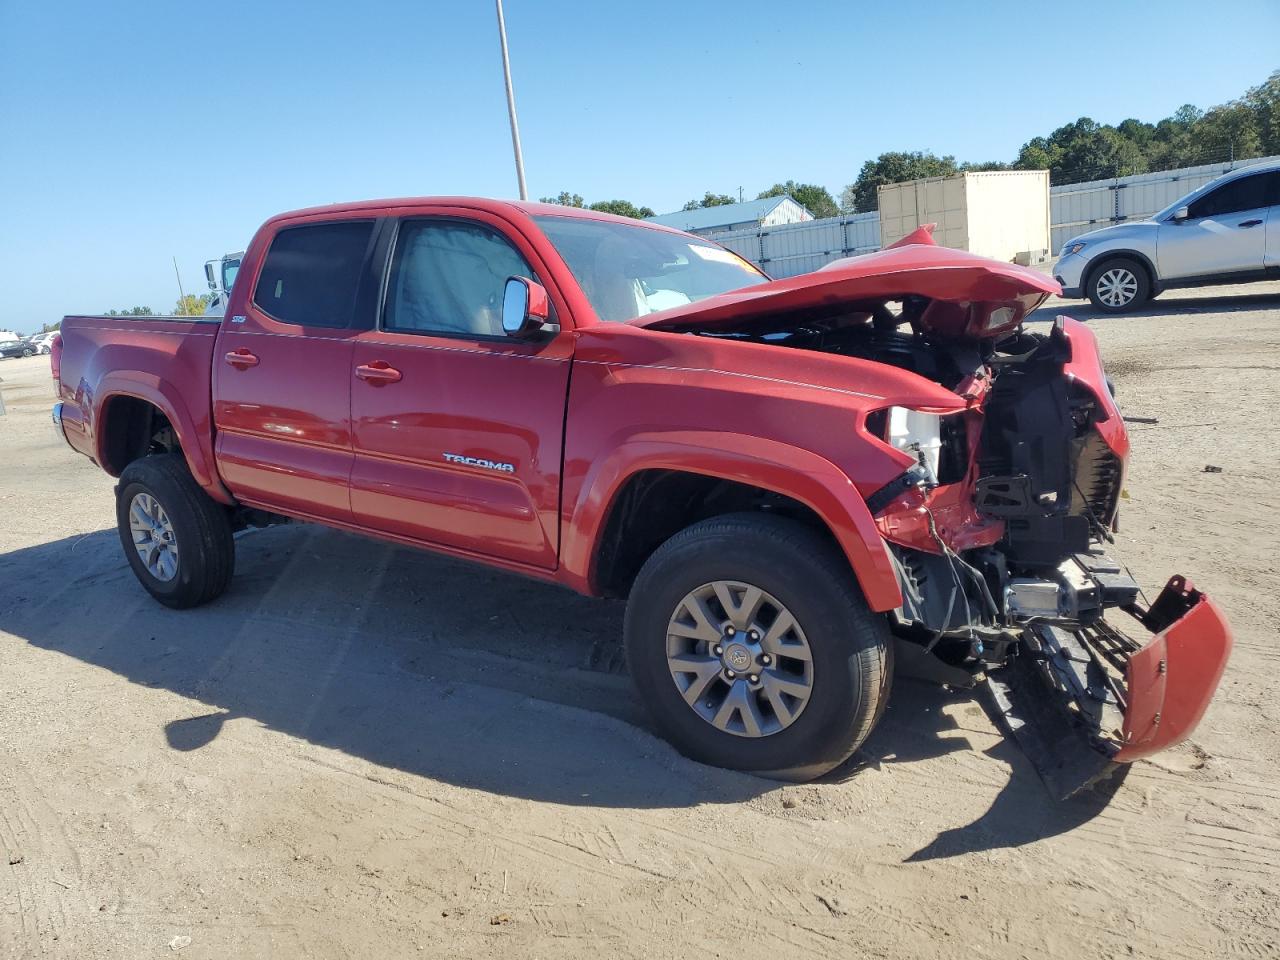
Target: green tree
<point>565,199</point>
<point>817,200</point>
<point>132,312</point>
<point>622,208</point>
<point>191,305</point>
<point>893,167</point>
<point>710,200</point>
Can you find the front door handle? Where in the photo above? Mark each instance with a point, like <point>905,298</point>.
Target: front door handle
<point>1248,223</point>
<point>378,372</point>
<point>242,358</point>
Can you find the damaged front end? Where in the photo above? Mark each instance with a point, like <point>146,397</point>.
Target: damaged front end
<point>998,497</point>
<point>1025,612</point>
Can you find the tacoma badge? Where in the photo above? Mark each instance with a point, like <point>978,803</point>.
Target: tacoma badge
<point>480,462</point>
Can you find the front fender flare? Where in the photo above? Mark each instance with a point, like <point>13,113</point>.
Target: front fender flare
<point>769,464</point>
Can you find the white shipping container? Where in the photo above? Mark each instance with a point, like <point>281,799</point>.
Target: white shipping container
<point>998,214</point>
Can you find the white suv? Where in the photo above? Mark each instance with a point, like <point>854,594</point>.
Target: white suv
<point>1228,231</point>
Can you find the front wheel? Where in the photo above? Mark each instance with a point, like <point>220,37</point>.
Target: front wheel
<point>1119,285</point>
<point>753,648</point>
<point>176,538</point>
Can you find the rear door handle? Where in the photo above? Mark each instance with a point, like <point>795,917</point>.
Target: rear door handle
<point>1248,223</point>
<point>242,358</point>
<point>378,372</point>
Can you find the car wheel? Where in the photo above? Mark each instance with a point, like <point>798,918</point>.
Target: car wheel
<point>177,539</point>
<point>1118,285</point>
<point>753,648</point>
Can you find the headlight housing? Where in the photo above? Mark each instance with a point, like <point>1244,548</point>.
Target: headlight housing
<point>918,434</point>
<point>1075,246</point>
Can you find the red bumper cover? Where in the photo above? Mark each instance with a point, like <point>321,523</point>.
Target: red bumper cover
<point>1171,680</point>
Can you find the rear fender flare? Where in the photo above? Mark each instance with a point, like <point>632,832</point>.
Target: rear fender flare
<point>195,438</point>
<point>768,464</point>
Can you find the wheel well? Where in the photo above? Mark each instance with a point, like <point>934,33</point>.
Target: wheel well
<point>655,505</point>
<point>132,429</point>
<point>1104,258</point>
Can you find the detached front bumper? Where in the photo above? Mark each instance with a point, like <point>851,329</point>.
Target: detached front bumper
<point>1112,699</point>
<point>1171,680</point>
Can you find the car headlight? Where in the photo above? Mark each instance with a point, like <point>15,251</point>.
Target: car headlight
<point>917,434</point>
<point>1075,246</point>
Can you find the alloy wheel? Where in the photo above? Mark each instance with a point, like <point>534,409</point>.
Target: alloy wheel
<point>153,536</point>
<point>739,658</point>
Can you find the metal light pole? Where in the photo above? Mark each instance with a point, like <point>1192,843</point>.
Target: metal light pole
<point>511,103</point>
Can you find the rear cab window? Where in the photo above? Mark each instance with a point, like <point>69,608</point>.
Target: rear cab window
<point>311,274</point>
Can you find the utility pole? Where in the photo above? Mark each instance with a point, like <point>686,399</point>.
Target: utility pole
<point>511,102</point>
<point>181,294</point>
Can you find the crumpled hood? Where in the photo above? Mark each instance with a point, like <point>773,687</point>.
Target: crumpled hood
<point>973,296</point>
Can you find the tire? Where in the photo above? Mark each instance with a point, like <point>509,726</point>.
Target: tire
<point>199,564</point>
<point>1118,285</point>
<point>797,570</point>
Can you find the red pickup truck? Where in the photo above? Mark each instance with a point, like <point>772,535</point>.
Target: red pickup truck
<point>791,481</point>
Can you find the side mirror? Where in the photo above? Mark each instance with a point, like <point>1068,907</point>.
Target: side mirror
<point>208,275</point>
<point>1182,213</point>
<point>525,308</point>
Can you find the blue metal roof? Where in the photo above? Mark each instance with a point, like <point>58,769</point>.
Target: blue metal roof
<point>704,218</point>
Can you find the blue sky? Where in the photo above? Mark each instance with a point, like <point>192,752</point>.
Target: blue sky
<point>133,132</point>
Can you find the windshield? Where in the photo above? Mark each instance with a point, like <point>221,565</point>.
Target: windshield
<point>229,270</point>
<point>630,271</point>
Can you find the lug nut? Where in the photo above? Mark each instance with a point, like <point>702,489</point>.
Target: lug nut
<point>729,631</point>
<point>755,636</point>
<point>729,674</point>
<point>753,678</point>
<point>717,650</point>
<point>766,659</point>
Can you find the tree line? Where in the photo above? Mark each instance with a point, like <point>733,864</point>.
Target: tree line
<point>1246,127</point>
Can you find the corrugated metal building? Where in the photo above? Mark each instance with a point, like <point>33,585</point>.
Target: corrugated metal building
<point>728,217</point>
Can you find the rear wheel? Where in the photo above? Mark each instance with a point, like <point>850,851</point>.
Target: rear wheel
<point>753,648</point>
<point>1118,285</point>
<point>177,539</point>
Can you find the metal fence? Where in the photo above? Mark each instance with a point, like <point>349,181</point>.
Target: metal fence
<point>800,247</point>
<point>1074,208</point>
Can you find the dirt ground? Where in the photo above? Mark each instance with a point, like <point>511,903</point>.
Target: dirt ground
<point>362,751</point>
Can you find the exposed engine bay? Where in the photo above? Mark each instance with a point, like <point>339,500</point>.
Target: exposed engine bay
<point>1031,471</point>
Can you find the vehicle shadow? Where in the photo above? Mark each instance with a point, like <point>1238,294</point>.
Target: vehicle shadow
<point>435,667</point>
<point>1170,303</point>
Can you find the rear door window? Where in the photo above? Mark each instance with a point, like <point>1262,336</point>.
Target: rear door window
<point>311,273</point>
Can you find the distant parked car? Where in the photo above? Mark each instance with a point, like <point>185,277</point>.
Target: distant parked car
<point>18,348</point>
<point>1228,231</point>
<point>43,342</point>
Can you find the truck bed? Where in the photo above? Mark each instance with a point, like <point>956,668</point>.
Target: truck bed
<point>166,361</point>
